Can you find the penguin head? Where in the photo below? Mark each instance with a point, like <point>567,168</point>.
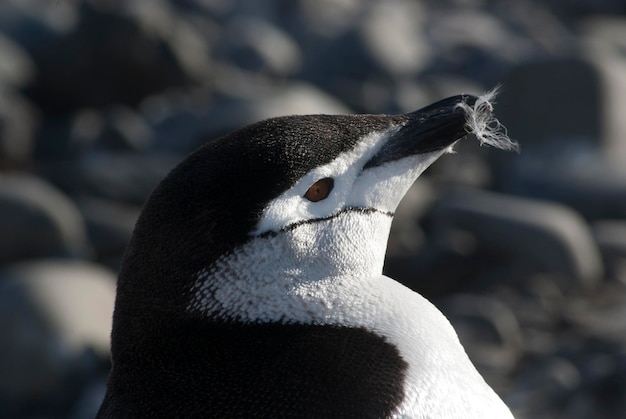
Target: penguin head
<point>258,261</point>
<point>298,198</point>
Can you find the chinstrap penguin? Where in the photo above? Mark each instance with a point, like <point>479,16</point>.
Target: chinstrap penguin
<point>253,286</point>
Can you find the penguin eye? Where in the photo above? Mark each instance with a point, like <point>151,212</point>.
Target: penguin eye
<point>320,189</point>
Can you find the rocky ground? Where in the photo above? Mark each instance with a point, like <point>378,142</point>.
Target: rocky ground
<point>526,253</point>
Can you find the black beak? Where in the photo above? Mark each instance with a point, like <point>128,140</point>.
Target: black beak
<point>431,128</point>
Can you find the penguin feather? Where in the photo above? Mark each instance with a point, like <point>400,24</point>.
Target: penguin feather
<point>481,122</point>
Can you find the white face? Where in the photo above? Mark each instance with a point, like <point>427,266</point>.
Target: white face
<point>379,188</point>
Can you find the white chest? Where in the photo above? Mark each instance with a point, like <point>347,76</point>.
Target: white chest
<point>313,275</point>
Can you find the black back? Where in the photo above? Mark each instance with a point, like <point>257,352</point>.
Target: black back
<point>264,370</point>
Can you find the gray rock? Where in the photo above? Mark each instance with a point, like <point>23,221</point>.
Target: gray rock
<point>471,42</point>
<point>118,128</point>
<point>571,98</point>
<point>409,95</point>
<point>545,236</point>
<point>600,318</point>
<point>37,220</point>
<point>539,304</point>
<point>183,128</point>
<point>437,269</point>
<point>256,45</point>
<point>55,319</point>
<point>610,235</point>
<point>125,130</point>
<point>218,8</point>
<point>17,126</point>
<point>177,120</point>
<point>467,167</point>
<point>109,227</point>
<point>316,21</point>
<point>391,32</point>
<point>376,47</point>
<point>182,39</point>
<point>125,177</point>
<point>535,24</point>
<point>291,99</point>
<point>535,90</point>
<point>34,24</point>
<point>604,29</point>
<point>488,330</point>
<point>542,387</point>
<point>149,48</point>
<point>579,175</point>
<point>606,50</point>
<point>16,67</point>
<point>406,236</point>
<point>584,8</point>
<point>59,139</point>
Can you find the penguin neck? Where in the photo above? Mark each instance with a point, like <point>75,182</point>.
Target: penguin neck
<point>251,283</point>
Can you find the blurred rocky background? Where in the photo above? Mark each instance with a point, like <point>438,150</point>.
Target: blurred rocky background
<point>526,253</point>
